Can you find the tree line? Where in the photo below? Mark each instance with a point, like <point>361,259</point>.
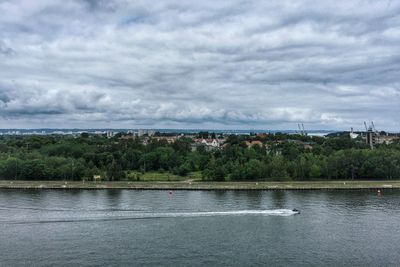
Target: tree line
<point>84,157</point>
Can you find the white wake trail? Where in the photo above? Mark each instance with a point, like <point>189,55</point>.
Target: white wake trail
<point>276,212</point>
<point>156,215</point>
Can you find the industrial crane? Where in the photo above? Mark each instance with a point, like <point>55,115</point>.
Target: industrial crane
<point>301,132</point>
<point>373,127</point>
<point>370,134</point>
<point>304,131</point>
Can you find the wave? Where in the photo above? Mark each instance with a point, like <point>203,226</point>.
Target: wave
<point>277,212</point>
<point>65,209</point>
<point>164,215</point>
<point>31,208</point>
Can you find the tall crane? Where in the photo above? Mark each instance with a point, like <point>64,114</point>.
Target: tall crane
<point>370,134</point>
<point>373,127</point>
<point>304,131</point>
<point>301,132</point>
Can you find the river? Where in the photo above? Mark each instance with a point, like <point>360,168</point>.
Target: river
<point>199,228</point>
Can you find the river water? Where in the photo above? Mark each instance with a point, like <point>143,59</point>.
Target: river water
<point>199,228</point>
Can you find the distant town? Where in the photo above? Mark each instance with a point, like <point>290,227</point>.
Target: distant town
<point>154,155</point>
<point>214,139</point>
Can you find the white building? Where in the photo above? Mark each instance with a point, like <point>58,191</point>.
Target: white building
<point>110,134</point>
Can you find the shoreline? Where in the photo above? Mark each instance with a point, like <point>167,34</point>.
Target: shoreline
<point>200,185</point>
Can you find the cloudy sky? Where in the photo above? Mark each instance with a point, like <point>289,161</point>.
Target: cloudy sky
<point>199,64</point>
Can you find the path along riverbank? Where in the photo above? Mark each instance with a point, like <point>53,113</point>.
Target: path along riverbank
<point>199,185</point>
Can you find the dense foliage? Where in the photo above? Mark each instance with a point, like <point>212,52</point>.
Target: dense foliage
<point>280,158</point>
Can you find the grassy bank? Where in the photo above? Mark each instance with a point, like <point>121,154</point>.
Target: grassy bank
<point>135,176</point>
<point>196,185</point>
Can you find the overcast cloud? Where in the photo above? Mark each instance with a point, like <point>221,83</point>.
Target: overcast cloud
<point>199,64</point>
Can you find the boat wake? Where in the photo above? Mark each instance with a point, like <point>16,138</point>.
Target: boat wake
<point>159,215</point>
<point>277,212</point>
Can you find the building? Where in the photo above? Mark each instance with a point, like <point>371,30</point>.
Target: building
<point>386,139</point>
<point>262,135</point>
<point>147,132</point>
<point>307,147</point>
<point>128,137</point>
<point>110,134</point>
<point>97,177</point>
<point>168,139</point>
<point>254,143</point>
<point>141,132</point>
<point>353,135</point>
<point>209,144</point>
<point>371,138</point>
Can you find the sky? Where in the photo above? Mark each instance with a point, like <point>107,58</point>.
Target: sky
<point>207,64</point>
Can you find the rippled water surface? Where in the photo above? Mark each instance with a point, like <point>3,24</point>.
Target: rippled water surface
<point>193,228</point>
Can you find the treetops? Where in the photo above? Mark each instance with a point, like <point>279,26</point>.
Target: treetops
<point>272,157</point>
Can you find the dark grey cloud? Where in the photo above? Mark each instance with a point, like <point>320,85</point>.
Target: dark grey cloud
<point>207,64</point>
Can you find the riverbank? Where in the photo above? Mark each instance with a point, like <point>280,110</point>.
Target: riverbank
<point>198,185</point>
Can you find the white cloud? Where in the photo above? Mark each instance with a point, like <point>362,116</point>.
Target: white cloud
<point>227,64</point>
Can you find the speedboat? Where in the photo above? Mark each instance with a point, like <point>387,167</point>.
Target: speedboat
<point>296,211</point>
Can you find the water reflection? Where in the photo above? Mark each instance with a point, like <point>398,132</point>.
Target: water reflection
<point>198,228</point>
<point>278,198</point>
<point>113,198</point>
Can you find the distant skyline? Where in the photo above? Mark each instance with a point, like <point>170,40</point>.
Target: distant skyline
<point>200,64</point>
